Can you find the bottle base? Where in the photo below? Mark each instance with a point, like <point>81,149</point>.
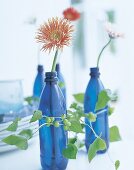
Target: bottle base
<point>52,169</point>
<point>53,166</point>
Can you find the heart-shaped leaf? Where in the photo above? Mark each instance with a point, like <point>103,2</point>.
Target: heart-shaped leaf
<point>97,145</point>
<point>19,141</point>
<point>13,127</point>
<point>75,126</point>
<point>114,134</point>
<point>79,97</point>
<point>27,133</point>
<point>70,152</point>
<point>103,99</point>
<point>117,164</point>
<point>36,116</point>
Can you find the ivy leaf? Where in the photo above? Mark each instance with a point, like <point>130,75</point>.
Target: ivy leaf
<point>97,145</point>
<point>80,111</point>
<point>79,97</point>
<point>36,116</point>
<point>91,116</point>
<point>76,115</point>
<point>110,110</point>
<point>61,84</point>
<point>103,99</point>
<point>27,133</point>
<point>76,112</point>
<point>114,134</point>
<point>75,126</point>
<point>19,141</point>
<point>72,140</point>
<point>74,106</point>
<point>13,127</point>
<point>82,125</point>
<point>117,164</point>
<point>70,152</point>
<point>30,99</point>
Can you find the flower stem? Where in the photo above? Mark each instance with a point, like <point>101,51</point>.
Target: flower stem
<point>98,60</point>
<point>54,61</point>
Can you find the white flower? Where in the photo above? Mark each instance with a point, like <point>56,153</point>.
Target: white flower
<point>112,32</point>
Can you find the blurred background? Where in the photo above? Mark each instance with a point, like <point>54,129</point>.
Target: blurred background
<point>19,50</point>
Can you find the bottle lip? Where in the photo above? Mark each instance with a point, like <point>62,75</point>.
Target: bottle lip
<point>94,72</point>
<point>57,67</point>
<point>40,68</point>
<point>51,74</point>
<point>94,69</point>
<point>51,77</point>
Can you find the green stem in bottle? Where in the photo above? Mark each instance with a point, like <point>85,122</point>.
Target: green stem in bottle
<point>98,60</point>
<point>54,61</point>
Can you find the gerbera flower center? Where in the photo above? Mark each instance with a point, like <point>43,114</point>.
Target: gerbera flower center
<point>55,36</point>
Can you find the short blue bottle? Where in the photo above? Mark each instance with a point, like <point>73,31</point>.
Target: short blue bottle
<point>39,82</point>
<point>101,125</point>
<point>52,139</point>
<point>61,80</point>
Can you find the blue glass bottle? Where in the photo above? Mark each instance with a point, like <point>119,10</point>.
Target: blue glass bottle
<point>39,82</point>
<point>52,139</point>
<point>61,80</point>
<point>101,125</point>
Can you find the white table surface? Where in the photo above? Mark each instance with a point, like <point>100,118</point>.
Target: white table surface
<point>30,159</point>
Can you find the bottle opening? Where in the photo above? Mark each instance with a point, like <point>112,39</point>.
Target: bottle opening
<point>51,77</point>
<point>94,72</point>
<point>40,68</point>
<point>57,67</point>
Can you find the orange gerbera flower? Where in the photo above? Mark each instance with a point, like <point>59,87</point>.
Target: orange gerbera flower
<point>71,14</point>
<point>55,33</point>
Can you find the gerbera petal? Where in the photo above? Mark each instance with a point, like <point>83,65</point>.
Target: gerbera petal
<point>71,14</point>
<point>56,33</point>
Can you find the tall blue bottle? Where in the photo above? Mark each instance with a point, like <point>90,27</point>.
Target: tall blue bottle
<point>39,82</point>
<point>61,80</point>
<point>52,139</point>
<point>101,125</point>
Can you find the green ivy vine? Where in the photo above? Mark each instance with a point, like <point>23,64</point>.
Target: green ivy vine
<point>72,122</point>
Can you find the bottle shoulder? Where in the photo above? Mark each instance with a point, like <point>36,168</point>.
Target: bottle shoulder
<point>60,77</point>
<point>41,75</point>
<point>94,87</point>
<point>39,80</point>
<point>52,100</point>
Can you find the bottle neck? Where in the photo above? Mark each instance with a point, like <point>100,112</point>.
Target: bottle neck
<point>94,72</point>
<point>58,67</point>
<point>51,77</point>
<point>40,68</point>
